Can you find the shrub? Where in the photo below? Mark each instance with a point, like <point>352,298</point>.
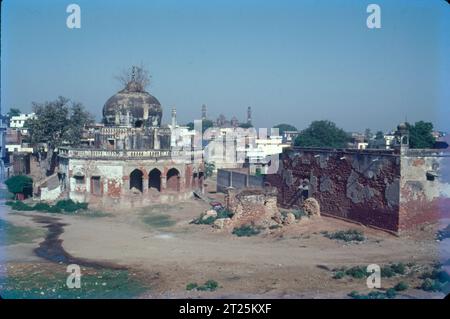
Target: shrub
<point>20,184</point>
<point>444,233</point>
<point>44,207</point>
<point>431,285</point>
<point>20,206</point>
<point>224,213</point>
<point>191,286</point>
<point>357,272</point>
<point>210,285</point>
<point>347,235</point>
<point>390,293</point>
<point>70,206</point>
<point>246,230</point>
<point>399,268</point>
<point>339,275</point>
<point>401,286</point>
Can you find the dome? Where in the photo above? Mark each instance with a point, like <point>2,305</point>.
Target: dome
<point>132,106</point>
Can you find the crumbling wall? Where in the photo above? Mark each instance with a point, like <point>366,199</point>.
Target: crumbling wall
<point>424,188</point>
<point>254,206</point>
<point>357,185</point>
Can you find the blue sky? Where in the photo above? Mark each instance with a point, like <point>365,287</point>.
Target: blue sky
<point>292,61</point>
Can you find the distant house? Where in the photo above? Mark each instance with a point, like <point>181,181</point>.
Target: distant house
<point>18,122</point>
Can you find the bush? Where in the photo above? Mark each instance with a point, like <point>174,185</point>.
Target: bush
<point>347,235</point>
<point>246,230</point>
<point>401,286</point>
<point>210,285</point>
<point>431,285</point>
<point>390,293</point>
<point>339,275</point>
<point>224,213</point>
<point>70,206</point>
<point>357,272</point>
<point>191,286</point>
<point>20,184</point>
<point>443,234</point>
<point>44,207</point>
<point>20,206</point>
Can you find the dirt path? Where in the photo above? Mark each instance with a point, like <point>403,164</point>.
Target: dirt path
<point>291,263</point>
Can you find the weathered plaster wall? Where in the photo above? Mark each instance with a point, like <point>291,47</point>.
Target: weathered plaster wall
<point>358,185</point>
<point>424,188</point>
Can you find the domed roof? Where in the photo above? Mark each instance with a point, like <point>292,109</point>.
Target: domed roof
<point>132,106</point>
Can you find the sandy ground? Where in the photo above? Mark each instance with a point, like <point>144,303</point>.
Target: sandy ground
<point>293,262</point>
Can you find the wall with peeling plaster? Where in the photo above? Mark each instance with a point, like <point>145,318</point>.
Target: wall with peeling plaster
<point>374,187</point>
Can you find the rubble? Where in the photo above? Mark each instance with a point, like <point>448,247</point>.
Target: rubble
<point>311,207</point>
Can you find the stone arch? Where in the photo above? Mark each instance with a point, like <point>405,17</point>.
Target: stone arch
<point>136,180</point>
<point>173,180</point>
<point>154,179</point>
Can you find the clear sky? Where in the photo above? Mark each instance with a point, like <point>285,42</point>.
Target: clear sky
<point>292,61</point>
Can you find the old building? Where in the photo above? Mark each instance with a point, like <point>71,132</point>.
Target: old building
<point>129,159</point>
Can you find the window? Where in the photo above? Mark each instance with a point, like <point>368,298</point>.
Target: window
<point>96,186</point>
<point>79,180</point>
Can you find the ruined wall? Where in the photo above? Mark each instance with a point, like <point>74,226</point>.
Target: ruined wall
<point>424,187</point>
<point>358,185</point>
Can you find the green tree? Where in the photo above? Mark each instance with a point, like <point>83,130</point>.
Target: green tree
<point>322,134</point>
<point>379,135</point>
<point>13,112</point>
<point>245,125</point>
<point>20,184</point>
<point>420,135</point>
<point>57,123</point>
<point>283,127</point>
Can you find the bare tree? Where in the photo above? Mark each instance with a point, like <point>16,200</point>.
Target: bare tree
<point>138,74</point>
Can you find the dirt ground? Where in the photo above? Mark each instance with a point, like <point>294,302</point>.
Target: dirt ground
<point>292,262</point>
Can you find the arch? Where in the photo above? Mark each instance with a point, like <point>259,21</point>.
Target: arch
<point>173,180</point>
<point>136,180</point>
<point>154,179</point>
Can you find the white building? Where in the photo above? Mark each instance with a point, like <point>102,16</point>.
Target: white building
<point>18,121</point>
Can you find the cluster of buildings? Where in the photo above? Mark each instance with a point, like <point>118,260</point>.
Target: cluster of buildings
<point>132,158</point>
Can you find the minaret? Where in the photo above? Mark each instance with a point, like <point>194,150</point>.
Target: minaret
<point>174,118</point>
<point>203,112</point>
<point>249,115</point>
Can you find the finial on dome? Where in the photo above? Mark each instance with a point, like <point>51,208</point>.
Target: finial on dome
<point>133,73</point>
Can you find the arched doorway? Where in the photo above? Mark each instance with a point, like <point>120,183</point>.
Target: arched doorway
<point>173,180</point>
<point>154,179</point>
<point>136,180</point>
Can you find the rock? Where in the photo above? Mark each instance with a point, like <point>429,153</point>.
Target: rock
<point>289,219</point>
<point>221,223</point>
<point>209,213</point>
<point>311,207</point>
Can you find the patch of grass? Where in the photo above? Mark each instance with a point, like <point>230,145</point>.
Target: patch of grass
<point>209,285</point>
<point>246,230</point>
<point>158,221</point>
<point>389,294</point>
<point>392,270</point>
<point>436,280</point>
<point>65,205</point>
<point>339,275</point>
<point>70,206</point>
<point>11,234</point>
<point>51,284</point>
<point>346,235</point>
<point>401,286</point>
<point>94,213</point>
